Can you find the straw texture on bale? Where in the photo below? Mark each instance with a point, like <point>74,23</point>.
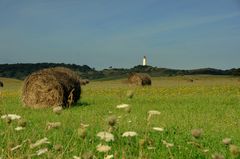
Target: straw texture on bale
<point>51,87</point>
<point>1,84</point>
<point>141,79</point>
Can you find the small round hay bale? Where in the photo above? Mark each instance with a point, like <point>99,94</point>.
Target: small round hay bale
<point>84,82</point>
<point>1,84</point>
<point>141,79</point>
<point>87,81</point>
<point>51,87</point>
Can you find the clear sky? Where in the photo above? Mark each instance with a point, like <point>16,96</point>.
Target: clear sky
<point>181,34</point>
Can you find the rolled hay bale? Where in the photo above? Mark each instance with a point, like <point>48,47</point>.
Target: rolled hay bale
<point>1,84</point>
<point>190,80</point>
<point>51,87</point>
<point>84,82</point>
<point>141,79</point>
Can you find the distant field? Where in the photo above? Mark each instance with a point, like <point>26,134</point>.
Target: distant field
<point>210,104</point>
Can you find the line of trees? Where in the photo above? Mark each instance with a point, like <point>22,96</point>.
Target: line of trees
<point>20,71</point>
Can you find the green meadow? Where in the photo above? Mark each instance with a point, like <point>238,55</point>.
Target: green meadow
<point>210,105</point>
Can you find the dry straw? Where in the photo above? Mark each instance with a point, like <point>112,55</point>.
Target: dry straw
<point>51,87</point>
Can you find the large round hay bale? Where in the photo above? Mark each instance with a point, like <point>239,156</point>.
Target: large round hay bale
<point>141,79</point>
<point>1,84</point>
<point>51,87</point>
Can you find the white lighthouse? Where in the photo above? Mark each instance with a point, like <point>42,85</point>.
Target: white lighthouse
<point>144,60</point>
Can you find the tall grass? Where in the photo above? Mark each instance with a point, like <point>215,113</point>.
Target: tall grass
<point>210,104</point>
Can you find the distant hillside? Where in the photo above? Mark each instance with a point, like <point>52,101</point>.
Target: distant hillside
<point>20,71</point>
<point>155,71</point>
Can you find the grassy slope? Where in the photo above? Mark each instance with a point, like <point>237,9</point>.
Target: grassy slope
<point>210,102</point>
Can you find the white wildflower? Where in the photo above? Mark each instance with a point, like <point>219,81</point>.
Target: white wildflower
<point>153,112</point>
<point>39,142</point>
<point>84,125</point>
<point>11,116</point>
<point>105,136</point>
<point>122,106</point>
<point>16,147</point>
<point>41,151</point>
<point>103,148</point>
<point>19,128</point>
<point>76,157</point>
<point>158,129</point>
<point>167,144</point>
<point>227,141</point>
<point>206,150</point>
<point>129,134</point>
<point>151,148</point>
<point>108,157</point>
<point>51,125</point>
<point>57,110</point>
<point>25,141</point>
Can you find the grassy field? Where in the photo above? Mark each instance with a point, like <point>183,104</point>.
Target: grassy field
<point>209,104</point>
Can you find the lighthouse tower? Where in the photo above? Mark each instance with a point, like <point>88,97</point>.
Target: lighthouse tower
<point>144,60</point>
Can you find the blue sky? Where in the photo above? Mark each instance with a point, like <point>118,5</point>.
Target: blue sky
<point>183,34</point>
